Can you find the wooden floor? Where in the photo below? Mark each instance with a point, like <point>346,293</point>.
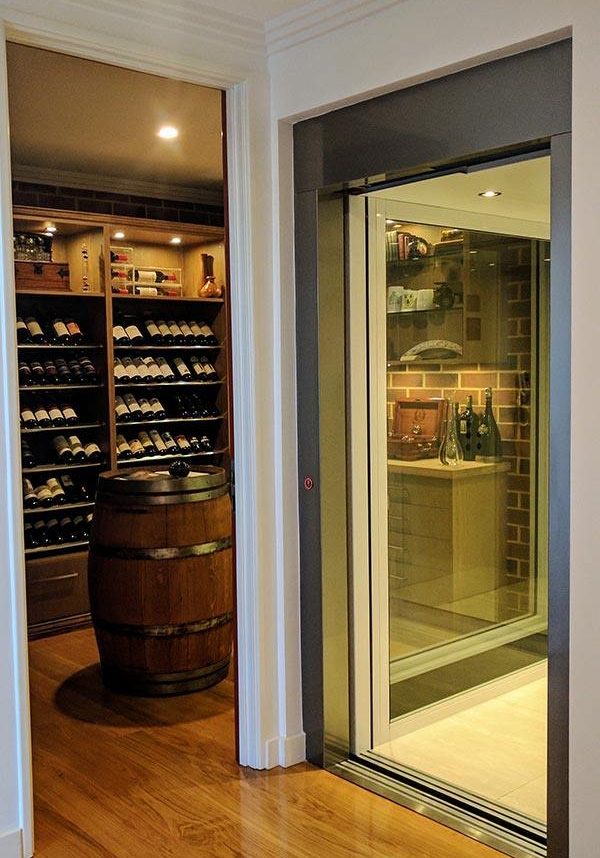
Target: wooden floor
<point>137,778</point>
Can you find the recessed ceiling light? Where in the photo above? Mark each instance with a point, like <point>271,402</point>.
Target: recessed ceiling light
<point>168,132</point>
<point>175,240</point>
<point>50,228</point>
<point>490,193</point>
<point>119,235</point>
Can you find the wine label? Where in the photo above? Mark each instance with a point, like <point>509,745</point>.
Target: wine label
<point>183,443</point>
<point>163,328</point>
<point>152,328</point>
<point>195,328</point>
<point>131,369</point>
<point>69,412</point>
<point>43,492</point>
<point>119,332</point>
<point>463,427</point>
<point>136,447</point>
<point>146,407</point>
<point>205,330</point>
<point>175,329</point>
<point>34,327</point>
<point>155,406</point>
<point>72,327</point>
<point>181,367</point>
<point>90,448</point>
<point>121,409</point>
<point>158,441</point>
<point>41,413</point>
<point>146,276</point>
<point>60,329</point>
<point>74,444</point>
<point>55,413</point>
<point>185,329</point>
<point>27,415</point>
<point>133,332</point>
<point>122,445</point>
<point>165,369</point>
<point>21,326</point>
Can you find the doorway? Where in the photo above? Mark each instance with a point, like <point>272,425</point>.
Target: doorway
<point>410,631</point>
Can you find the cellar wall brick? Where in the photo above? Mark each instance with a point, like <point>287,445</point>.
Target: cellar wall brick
<point>119,205</point>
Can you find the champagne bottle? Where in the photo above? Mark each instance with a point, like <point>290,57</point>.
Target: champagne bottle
<point>489,442</point>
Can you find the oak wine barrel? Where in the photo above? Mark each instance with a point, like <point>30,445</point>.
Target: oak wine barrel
<point>160,579</point>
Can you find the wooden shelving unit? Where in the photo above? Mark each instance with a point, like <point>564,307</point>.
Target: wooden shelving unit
<point>57,574</point>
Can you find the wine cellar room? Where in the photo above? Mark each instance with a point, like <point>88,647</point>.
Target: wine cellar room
<point>123,371</point>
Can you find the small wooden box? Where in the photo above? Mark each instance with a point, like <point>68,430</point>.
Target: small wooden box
<point>45,276</point>
<point>417,429</point>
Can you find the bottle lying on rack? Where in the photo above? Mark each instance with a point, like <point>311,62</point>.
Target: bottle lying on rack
<point>42,415</point>
<point>128,408</point>
<point>195,406</point>
<point>79,370</point>
<point>151,370</point>
<point>57,531</point>
<point>50,493</point>
<point>69,450</point>
<point>27,458</point>
<point>129,331</point>
<point>155,443</point>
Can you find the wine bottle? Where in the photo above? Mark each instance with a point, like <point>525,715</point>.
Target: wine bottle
<point>167,336</point>
<point>206,445</point>
<point>74,330</point>
<point>133,407</point>
<point>70,415</point>
<point>136,448</point>
<point>54,531</point>
<point>41,534</point>
<point>68,529</point>
<point>197,332</point>
<point>143,369</point>
<point>30,536</point>
<point>153,368</point>
<point>451,452</point>
<point>120,373</point>
<point>178,335</point>
<point>57,491</point>
<point>123,448</point>
<point>132,370</point>
<point>63,373</point>
<point>88,369</point>
<point>81,528</point>
<point>57,418</point>
<point>182,369</point>
<point>64,454</point>
<point>180,407</point>
<point>195,444</point>
<point>198,368</point>
<point>153,332</point>
<point>49,373</point>
<point>134,333</point>
<point>185,329</point>
<point>467,423</point>
<point>489,442</point>
<point>169,442</point>
<point>28,417</point>
<point>120,335</point>
<point>72,493</point>
<point>209,338</point>
<point>121,410</point>
<point>157,409</point>
<point>35,330</point>
<point>76,371</point>
<point>146,408</point>
<point>30,500</point>
<point>92,451</point>
<point>155,276</point>
<point>183,444</point>
<point>27,457</point>
<point>209,370</point>
<point>43,494</point>
<point>23,335</point>
<point>166,371</point>
<point>158,442</point>
<point>60,332</point>
<point>76,448</point>
<point>38,372</point>
<point>25,374</point>
<point>118,256</point>
<point>41,415</point>
<point>146,442</point>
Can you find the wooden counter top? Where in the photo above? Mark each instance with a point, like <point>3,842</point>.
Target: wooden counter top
<point>434,468</point>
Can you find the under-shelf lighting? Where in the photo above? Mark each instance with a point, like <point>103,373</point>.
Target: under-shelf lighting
<point>49,232</point>
<point>176,240</point>
<point>168,132</point>
<point>50,228</point>
<point>490,193</point>
<point>119,235</point>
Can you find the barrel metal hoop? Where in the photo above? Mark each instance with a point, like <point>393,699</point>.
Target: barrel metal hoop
<point>126,553</point>
<point>163,631</point>
<point>146,500</point>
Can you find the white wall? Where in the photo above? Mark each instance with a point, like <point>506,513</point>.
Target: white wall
<point>414,40</point>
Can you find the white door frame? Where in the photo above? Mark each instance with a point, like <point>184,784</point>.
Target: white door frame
<point>266,736</point>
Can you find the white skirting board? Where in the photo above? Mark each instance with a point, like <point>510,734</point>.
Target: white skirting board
<point>11,845</point>
<point>284,751</point>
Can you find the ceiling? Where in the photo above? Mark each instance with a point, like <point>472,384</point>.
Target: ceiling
<point>76,115</point>
<point>260,11</point>
<point>524,186</point>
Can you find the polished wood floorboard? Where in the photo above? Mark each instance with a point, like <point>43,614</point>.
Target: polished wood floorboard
<point>121,777</point>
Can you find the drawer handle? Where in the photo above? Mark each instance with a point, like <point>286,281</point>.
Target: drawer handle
<point>65,577</point>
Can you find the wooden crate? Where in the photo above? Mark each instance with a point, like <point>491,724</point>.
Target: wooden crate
<point>45,276</point>
<point>417,429</point>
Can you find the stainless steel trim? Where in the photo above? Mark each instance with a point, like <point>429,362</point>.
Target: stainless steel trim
<point>125,553</point>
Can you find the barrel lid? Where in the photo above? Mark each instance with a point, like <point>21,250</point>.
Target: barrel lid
<point>152,480</point>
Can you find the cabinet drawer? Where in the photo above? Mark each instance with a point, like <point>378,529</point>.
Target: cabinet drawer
<point>420,551</point>
<point>419,520</point>
<point>406,574</point>
<point>56,588</point>
<point>422,491</point>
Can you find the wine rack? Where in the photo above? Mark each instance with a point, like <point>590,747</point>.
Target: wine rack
<point>195,409</point>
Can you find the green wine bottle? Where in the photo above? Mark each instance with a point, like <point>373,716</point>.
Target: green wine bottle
<point>467,429</point>
<point>489,442</point>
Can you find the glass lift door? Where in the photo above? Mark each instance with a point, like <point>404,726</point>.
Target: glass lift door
<point>453,563</point>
